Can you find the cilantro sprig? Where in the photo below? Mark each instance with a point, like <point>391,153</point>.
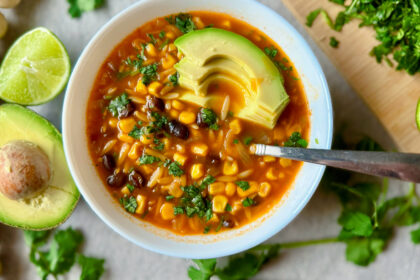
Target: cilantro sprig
<point>78,7</point>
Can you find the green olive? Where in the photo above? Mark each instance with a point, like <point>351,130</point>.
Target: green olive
<point>9,3</point>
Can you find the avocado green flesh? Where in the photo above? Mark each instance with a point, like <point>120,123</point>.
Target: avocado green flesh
<point>53,205</point>
<point>211,54</point>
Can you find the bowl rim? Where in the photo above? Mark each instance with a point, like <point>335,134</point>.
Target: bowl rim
<point>228,250</point>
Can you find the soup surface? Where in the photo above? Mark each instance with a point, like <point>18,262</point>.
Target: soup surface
<point>175,164</point>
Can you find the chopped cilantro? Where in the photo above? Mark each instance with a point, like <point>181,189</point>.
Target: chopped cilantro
<point>118,104</point>
<point>209,116</point>
<point>129,203</point>
<point>334,42</point>
<point>174,168</point>
<point>247,140</point>
<point>178,210</point>
<point>244,185</point>
<point>247,202</point>
<point>136,63</point>
<point>228,208</point>
<point>206,230</point>
<point>235,141</point>
<point>271,52</point>
<point>77,7</point>
<point>162,34</point>
<point>149,73</point>
<point>207,181</point>
<point>160,121</point>
<point>130,187</point>
<point>183,22</point>
<point>158,145</point>
<point>148,159</point>
<point>152,38</point>
<point>169,197</point>
<point>92,268</point>
<point>230,114</point>
<point>174,79</point>
<point>296,140</point>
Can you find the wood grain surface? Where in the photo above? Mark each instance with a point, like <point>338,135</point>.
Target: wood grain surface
<point>391,95</point>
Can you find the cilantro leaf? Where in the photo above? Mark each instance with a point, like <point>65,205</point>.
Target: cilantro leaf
<point>271,52</point>
<point>244,185</point>
<point>296,140</point>
<point>247,202</point>
<point>415,236</point>
<point>148,159</point>
<point>174,168</point>
<point>205,269</point>
<point>174,79</point>
<point>130,187</point>
<point>129,203</point>
<point>334,42</point>
<point>118,104</point>
<point>183,22</point>
<point>160,121</point>
<point>207,181</point>
<point>149,73</point>
<point>248,140</point>
<point>92,268</point>
<point>208,116</point>
<point>77,7</point>
<point>356,223</point>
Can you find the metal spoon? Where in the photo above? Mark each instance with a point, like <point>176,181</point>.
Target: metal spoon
<point>384,164</point>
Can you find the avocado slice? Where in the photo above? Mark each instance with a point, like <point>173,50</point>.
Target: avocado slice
<point>211,54</point>
<point>54,204</point>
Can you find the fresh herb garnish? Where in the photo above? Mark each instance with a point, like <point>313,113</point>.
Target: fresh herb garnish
<point>235,141</point>
<point>334,42</point>
<point>207,181</point>
<point>162,34</point>
<point>194,204</point>
<point>247,202</point>
<point>118,104</point>
<point>136,63</point>
<point>160,121</point>
<point>152,38</point>
<point>129,203</point>
<point>169,197</point>
<point>61,254</point>
<point>395,23</point>
<point>178,210</point>
<point>174,168</point>
<point>271,52</point>
<point>296,140</point>
<point>78,7</point>
<point>148,159</point>
<point>174,79</point>
<point>158,144</point>
<point>130,187</point>
<point>183,22</point>
<point>228,208</point>
<point>149,73</point>
<point>206,230</point>
<point>244,185</point>
<point>248,140</point>
<point>209,117</point>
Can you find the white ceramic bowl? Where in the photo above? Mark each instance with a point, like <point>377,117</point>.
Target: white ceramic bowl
<point>147,235</point>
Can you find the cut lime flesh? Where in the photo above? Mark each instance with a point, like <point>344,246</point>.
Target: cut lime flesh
<point>35,69</point>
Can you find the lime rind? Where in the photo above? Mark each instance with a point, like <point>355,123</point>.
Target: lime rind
<point>31,75</point>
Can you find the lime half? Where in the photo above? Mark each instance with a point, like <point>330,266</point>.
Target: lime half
<point>35,69</point>
<point>418,114</point>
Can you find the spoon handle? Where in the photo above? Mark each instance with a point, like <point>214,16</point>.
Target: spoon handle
<point>385,164</point>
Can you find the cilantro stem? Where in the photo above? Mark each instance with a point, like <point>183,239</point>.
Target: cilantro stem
<point>292,245</point>
<point>385,185</point>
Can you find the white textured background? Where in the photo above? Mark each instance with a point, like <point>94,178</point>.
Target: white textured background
<point>127,261</point>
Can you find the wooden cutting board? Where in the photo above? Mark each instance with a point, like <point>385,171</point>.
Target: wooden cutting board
<point>391,95</point>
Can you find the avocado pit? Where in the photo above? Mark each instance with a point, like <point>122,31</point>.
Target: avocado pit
<point>25,169</point>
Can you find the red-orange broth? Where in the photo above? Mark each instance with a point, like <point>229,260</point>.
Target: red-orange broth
<point>157,191</point>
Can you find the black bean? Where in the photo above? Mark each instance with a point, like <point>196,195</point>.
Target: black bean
<point>135,179</point>
<point>213,165</point>
<point>116,180</point>
<point>159,135</point>
<point>178,129</point>
<point>200,122</point>
<point>126,111</point>
<point>109,162</point>
<point>153,102</point>
<point>228,223</point>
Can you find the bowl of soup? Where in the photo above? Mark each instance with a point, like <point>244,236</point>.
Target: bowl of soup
<point>162,109</point>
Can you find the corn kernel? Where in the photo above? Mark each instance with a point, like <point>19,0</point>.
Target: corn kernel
<point>216,188</point>
<point>168,61</point>
<point>237,205</point>
<point>197,171</point>
<point>151,50</point>
<point>230,189</point>
<point>180,148</point>
<point>226,24</point>
<point>126,125</point>
<point>270,174</point>
<point>140,87</point>
<point>269,159</point>
<point>180,158</point>
<point>253,188</point>
<point>235,126</point>
<point>265,189</point>
<point>200,149</point>
<point>172,47</point>
<point>178,105</point>
<point>187,117</point>
<point>154,88</point>
<point>170,35</point>
<point>214,219</point>
<point>125,138</point>
<point>125,191</point>
<point>146,169</point>
<point>230,167</point>
<point>219,203</point>
<point>173,113</point>
<point>198,22</point>
<point>134,151</point>
<point>167,211</point>
<point>175,189</point>
<point>113,122</point>
<point>146,140</point>
<point>141,204</point>
<point>285,162</point>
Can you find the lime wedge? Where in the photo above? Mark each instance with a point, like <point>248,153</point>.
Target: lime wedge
<point>35,69</point>
<point>418,115</point>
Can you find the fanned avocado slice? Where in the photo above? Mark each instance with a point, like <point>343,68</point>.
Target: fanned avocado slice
<point>211,53</point>
<point>55,203</point>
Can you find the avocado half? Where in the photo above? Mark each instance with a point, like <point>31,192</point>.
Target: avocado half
<point>215,54</point>
<point>53,205</point>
